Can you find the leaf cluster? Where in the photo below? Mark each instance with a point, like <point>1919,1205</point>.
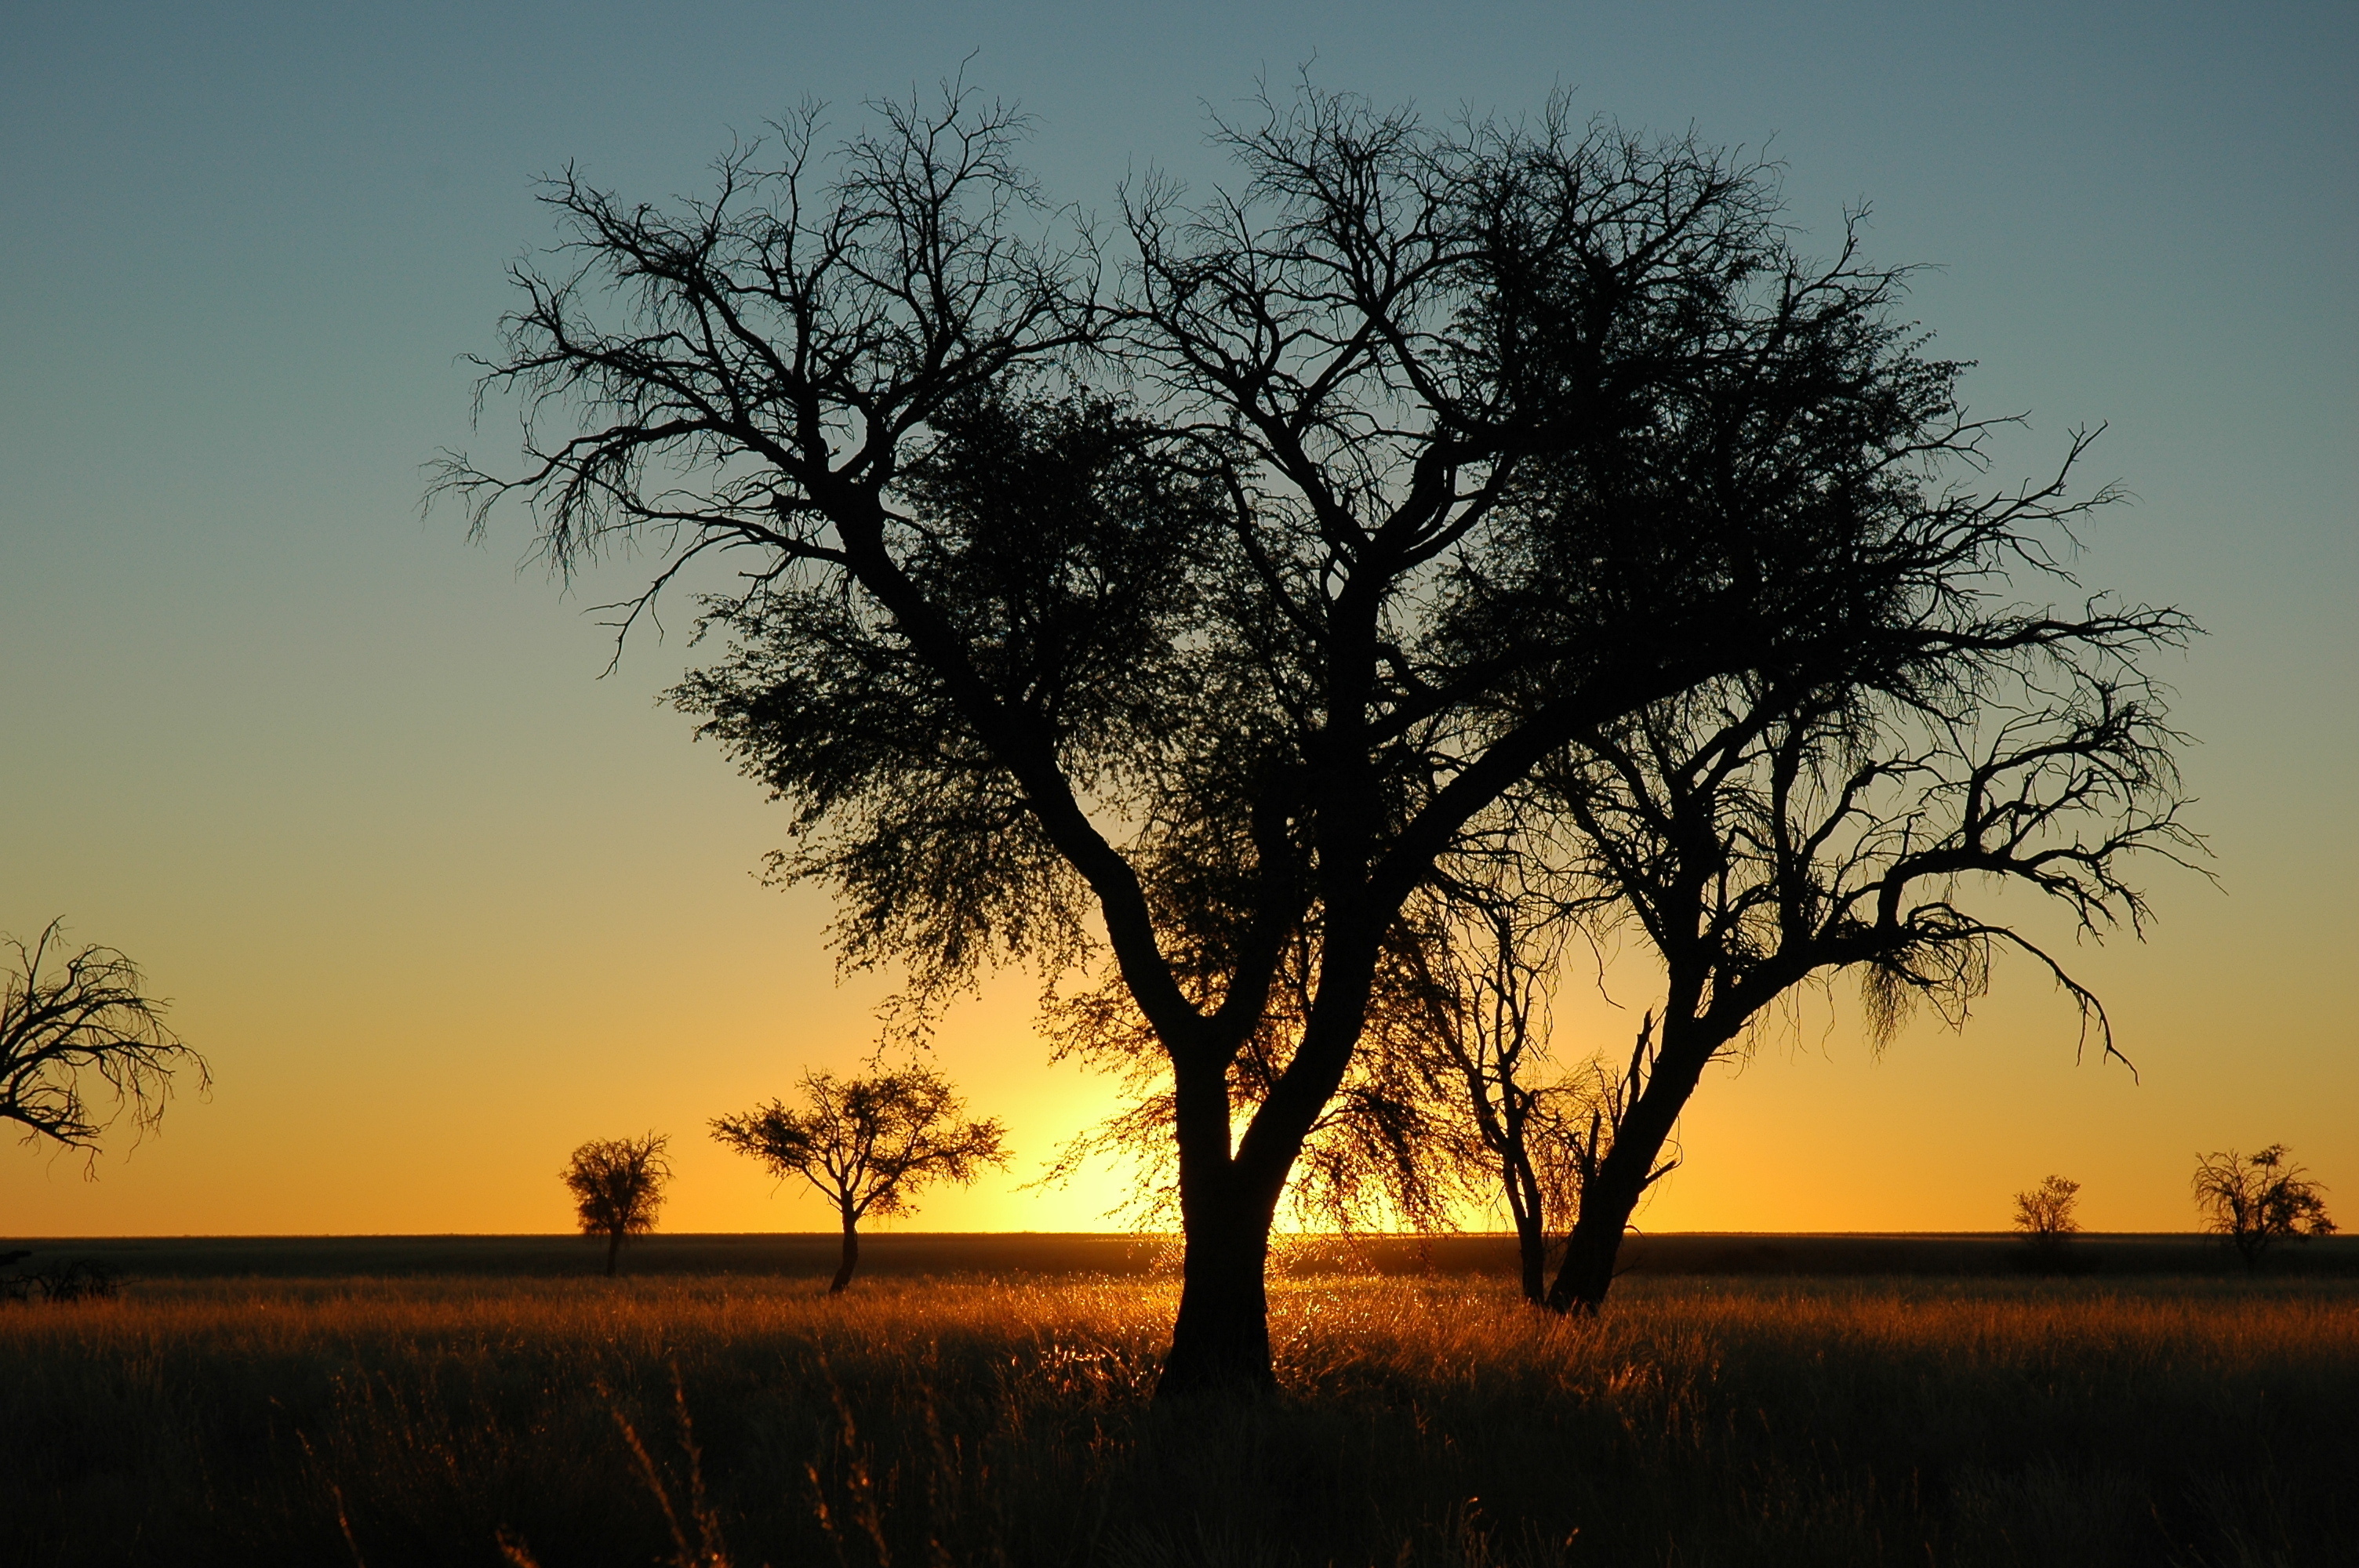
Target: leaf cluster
<point>1062,552</point>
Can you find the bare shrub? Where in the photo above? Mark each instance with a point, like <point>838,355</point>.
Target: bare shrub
<point>82,1279</point>
<point>2044,1215</point>
<point>2254,1202</point>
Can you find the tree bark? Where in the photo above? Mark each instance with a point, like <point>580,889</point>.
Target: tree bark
<point>1531,1230</point>
<point>1589,1256</point>
<point>613,1250</point>
<point>1227,1203</point>
<point>1220,1342</point>
<point>1610,1198</point>
<point>850,1257</point>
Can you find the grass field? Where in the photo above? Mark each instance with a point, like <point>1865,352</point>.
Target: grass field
<point>1426,1420</point>
<point>1023,1253</point>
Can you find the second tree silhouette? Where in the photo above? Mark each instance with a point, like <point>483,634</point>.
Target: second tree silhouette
<point>868,1144</point>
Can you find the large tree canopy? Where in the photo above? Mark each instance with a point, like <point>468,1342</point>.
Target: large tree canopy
<point>1193,590</point>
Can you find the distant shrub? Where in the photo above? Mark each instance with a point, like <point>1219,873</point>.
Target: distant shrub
<point>83,1278</point>
<point>2044,1215</point>
<point>2252,1203</point>
<point>617,1186</point>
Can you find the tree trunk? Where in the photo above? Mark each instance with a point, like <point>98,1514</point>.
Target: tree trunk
<point>1531,1248</point>
<point>1220,1341</point>
<point>613,1250</point>
<point>1610,1198</point>
<point>1505,1127</point>
<point>1588,1271</point>
<point>850,1257</point>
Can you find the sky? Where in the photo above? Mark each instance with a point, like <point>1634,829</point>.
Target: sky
<point>439,901</point>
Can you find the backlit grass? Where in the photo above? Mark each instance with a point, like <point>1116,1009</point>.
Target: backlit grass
<point>919,1422</point>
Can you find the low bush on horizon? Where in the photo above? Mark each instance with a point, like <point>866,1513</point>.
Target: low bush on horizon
<point>431,1421</point>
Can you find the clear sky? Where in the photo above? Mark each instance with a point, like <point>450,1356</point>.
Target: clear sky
<point>439,902</point>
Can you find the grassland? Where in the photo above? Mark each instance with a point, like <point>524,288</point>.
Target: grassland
<point>1426,1420</point>
<point>1009,1255</point>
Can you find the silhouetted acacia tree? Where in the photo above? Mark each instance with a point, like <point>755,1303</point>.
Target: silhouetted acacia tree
<point>617,1186</point>
<point>2043,1216</point>
<point>1768,829</point>
<point>868,1144</point>
<point>2253,1202</point>
<point>72,1021</point>
<point>1182,607</point>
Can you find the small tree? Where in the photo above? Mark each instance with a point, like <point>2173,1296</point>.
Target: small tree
<point>617,1186</point>
<point>1488,956</point>
<point>85,1016</point>
<point>2044,1214</point>
<point>1863,819</point>
<point>868,1144</point>
<point>2252,1202</point>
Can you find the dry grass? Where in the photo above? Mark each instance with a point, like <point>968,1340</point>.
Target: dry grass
<point>929,1422</point>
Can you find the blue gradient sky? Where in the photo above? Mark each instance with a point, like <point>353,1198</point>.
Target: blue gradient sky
<point>439,902</point>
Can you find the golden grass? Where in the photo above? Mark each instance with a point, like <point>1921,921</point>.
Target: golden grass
<point>939,1421</point>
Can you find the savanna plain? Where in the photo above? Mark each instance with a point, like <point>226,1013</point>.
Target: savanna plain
<point>690,1416</point>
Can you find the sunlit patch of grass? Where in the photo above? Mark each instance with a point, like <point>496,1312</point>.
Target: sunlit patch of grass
<point>974,1421</point>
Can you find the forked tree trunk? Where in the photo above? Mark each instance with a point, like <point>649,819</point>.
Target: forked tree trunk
<point>1508,1132</point>
<point>1220,1341</point>
<point>850,1257</point>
